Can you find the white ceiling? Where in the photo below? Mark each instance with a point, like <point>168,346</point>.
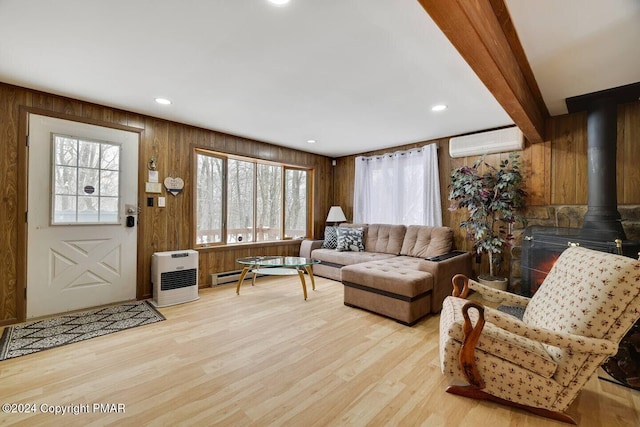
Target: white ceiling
<point>356,75</point>
<point>577,47</point>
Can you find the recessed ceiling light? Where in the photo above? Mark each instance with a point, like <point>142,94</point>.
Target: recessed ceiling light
<point>311,141</point>
<point>279,2</point>
<point>439,107</point>
<point>163,101</point>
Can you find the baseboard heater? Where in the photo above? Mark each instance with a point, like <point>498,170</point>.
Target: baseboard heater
<point>228,277</point>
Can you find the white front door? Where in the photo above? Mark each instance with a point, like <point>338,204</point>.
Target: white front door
<point>82,216</point>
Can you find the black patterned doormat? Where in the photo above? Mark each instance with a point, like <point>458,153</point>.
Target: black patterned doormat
<point>69,328</point>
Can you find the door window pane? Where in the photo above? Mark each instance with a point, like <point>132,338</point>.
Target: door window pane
<point>109,183</point>
<point>65,180</point>
<point>110,157</point>
<point>65,151</point>
<point>66,211</point>
<point>86,181</point>
<point>88,209</point>
<point>89,154</point>
<point>109,209</point>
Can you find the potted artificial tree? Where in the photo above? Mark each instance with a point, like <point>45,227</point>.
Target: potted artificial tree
<point>492,197</point>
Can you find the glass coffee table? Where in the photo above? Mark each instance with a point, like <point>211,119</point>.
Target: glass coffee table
<point>277,266</point>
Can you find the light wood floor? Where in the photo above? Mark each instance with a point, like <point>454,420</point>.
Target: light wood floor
<point>267,357</point>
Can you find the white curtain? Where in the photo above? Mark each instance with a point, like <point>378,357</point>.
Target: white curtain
<point>398,188</point>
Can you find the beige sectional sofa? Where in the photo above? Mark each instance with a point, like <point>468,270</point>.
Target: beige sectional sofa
<point>403,273</point>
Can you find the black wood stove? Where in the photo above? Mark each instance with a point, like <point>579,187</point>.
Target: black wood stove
<point>602,228</point>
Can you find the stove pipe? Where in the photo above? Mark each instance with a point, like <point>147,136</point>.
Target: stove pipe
<point>602,204</point>
<point>602,218</point>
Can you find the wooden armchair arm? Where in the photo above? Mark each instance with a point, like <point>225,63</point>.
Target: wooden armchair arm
<point>467,358</point>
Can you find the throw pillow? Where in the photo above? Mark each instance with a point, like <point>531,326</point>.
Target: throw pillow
<point>350,239</point>
<point>330,237</point>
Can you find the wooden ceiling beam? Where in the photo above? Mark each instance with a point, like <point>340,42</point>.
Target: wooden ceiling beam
<point>483,33</point>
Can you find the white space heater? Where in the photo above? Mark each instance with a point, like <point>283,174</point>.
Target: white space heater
<point>174,276</point>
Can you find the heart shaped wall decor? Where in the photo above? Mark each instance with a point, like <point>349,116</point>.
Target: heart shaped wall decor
<point>174,185</point>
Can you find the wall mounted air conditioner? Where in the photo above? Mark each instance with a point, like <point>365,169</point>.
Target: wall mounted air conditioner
<point>174,275</point>
<point>495,141</point>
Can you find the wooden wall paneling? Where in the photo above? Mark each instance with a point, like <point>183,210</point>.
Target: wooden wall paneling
<point>42,100</point>
<point>116,116</point>
<point>174,169</point>
<point>322,197</point>
<point>536,160</point>
<point>201,138</point>
<point>203,270</point>
<point>134,120</point>
<point>153,220</point>
<point>160,138</point>
<point>229,144</point>
<point>343,181</point>
<point>9,157</point>
<point>247,148</point>
<point>94,112</point>
<point>67,106</point>
<point>216,141</point>
<point>620,152</point>
<point>20,284</point>
<point>206,139</point>
<point>629,153</point>
<point>143,212</point>
<point>185,154</point>
<point>566,143</point>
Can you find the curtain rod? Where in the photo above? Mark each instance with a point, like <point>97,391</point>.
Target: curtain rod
<point>396,153</point>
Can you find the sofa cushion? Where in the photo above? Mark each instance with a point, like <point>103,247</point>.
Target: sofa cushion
<point>423,241</point>
<point>389,275</point>
<point>330,237</point>
<point>350,239</point>
<point>385,238</point>
<point>331,256</point>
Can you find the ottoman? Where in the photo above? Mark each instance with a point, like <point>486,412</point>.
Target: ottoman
<point>393,289</point>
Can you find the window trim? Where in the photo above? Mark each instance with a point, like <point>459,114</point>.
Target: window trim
<point>197,150</point>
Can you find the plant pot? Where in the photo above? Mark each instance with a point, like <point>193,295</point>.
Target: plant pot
<point>499,283</point>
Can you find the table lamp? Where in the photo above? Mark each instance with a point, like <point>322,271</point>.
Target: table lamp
<point>336,215</point>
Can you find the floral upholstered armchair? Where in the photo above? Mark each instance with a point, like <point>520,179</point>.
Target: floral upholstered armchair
<point>576,319</point>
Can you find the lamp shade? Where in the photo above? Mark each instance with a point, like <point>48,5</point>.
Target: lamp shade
<point>336,214</point>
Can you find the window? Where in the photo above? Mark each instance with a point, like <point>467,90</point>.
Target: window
<point>209,197</point>
<point>244,200</point>
<point>296,208</point>
<point>86,181</point>
<point>398,188</point>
